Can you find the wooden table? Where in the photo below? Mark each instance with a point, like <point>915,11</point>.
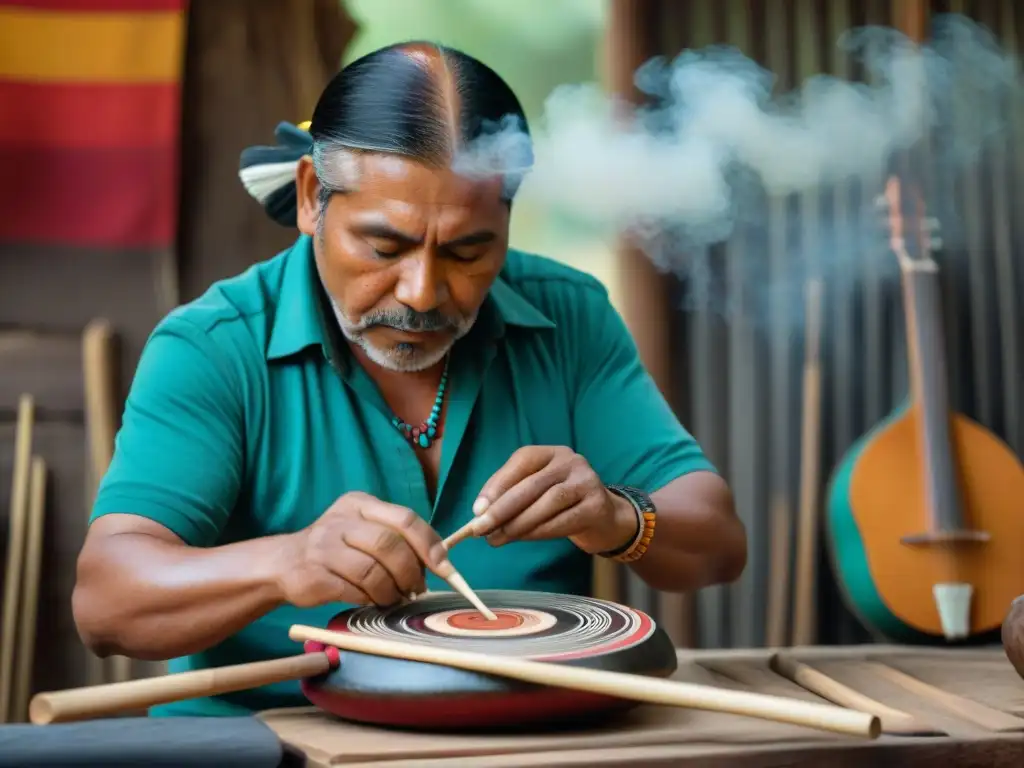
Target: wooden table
<point>972,700</point>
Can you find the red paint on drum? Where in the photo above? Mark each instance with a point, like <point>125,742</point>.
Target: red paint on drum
<point>464,711</point>
<point>474,620</point>
<point>644,629</point>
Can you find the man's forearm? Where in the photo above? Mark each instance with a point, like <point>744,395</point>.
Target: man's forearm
<point>698,540</point>
<point>141,596</point>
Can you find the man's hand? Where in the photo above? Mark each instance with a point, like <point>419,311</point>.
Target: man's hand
<point>551,492</point>
<point>361,550</point>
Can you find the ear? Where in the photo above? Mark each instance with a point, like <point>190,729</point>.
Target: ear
<point>307,196</point>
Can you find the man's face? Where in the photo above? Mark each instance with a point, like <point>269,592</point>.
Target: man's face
<point>407,256</point>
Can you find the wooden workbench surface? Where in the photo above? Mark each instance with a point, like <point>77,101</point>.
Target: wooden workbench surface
<point>978,726</point>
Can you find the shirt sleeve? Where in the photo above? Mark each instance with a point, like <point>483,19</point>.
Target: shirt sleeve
<point>623,425</point>
<point>178,457</point>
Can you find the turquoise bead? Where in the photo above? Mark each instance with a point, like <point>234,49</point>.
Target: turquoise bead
<point>425,438</point>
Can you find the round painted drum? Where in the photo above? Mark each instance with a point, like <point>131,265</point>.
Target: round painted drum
<point>564,629</point>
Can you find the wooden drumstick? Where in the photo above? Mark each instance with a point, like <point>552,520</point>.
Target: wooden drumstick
<point>132,695</point>
<point>463,533</point>
<point>467,530</point>
<point>15,550</point>
<point>617,684</point>
<point>447,572</point>
<point>893,720</point>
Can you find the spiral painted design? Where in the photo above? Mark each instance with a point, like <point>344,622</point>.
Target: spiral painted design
<point>581,626</point>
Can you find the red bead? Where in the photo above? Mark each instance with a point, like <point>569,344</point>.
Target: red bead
<point>415,433</point>
<point>423,427</point>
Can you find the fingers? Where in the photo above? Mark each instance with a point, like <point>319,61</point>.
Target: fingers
<point>338,589</point>
<point>564,510</point>
<point>514,502</point>
<point>381,563</point>
<point>417,533</point>
<point>522,464</point>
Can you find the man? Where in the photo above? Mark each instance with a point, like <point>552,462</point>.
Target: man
<point>300,438</point>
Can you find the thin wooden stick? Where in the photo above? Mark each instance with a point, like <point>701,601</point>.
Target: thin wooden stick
<point>777,628</point>
<point>815,681</point>
<point>617,684</point>
<point>114,698</point>
<point>15,551</point>
<point>975,711</point>
<point>30,590</point>
<point>458,583</point>
<point>805,615</point>
<point>463,533</point>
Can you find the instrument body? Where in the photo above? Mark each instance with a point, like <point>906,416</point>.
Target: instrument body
<point>875,500</point>
<point>926,512</point>
<point>355,677</point>
<point>575,631</point>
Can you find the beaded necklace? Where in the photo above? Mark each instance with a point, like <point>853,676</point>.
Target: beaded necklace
<point>425,434</point>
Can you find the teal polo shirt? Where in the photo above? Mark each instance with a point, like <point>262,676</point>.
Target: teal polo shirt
<point>248,417</point>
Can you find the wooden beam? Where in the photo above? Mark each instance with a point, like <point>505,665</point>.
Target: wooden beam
<point>643,292</point>
<point>911,18</point>
<point>631,40</point>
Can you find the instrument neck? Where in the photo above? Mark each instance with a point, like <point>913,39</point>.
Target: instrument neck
<point>930,394</point>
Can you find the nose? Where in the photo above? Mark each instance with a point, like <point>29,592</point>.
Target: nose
<point>421,286</point>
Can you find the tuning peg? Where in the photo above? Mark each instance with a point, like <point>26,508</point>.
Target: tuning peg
<point>881,203</point>
<point>935,243</point>
<point>932,224</point>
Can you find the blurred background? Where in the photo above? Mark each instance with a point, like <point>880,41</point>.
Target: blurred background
<point>120,132</point>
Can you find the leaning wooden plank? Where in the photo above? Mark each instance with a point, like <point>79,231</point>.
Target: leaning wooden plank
<point>99,375</point>
<point>894,721</point>
<point>26,656</point>
<point>15,551</point>
<point>976,712</point>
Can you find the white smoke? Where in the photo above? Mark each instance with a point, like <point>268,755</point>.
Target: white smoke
<point>718,140</point>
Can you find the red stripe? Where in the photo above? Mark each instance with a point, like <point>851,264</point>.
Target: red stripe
<point>88,115</point>
<point>97,6</point>
<point>90,198</point>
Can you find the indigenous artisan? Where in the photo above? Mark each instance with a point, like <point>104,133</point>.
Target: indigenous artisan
<point>302,437</point>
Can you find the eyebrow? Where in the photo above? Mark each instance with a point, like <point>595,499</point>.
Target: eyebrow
<point>385,232</point>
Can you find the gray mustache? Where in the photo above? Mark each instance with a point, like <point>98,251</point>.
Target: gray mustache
<point>410,320</point>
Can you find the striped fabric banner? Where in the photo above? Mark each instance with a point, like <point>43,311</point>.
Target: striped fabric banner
<point>90,94</point>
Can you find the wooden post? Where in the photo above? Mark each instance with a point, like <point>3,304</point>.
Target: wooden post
<point>911,18</point>
<point>631,39</point>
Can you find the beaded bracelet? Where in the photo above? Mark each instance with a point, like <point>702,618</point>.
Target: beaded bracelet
<point>646,514</point>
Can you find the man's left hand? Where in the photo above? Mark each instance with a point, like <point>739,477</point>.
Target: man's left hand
<point>551,492</point>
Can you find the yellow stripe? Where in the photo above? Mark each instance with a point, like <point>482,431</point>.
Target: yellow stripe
<point>50,46</point>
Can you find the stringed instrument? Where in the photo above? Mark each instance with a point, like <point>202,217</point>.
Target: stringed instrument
<point>925,518</point>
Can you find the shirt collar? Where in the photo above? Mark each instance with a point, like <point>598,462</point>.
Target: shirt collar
<point>300,320</point>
